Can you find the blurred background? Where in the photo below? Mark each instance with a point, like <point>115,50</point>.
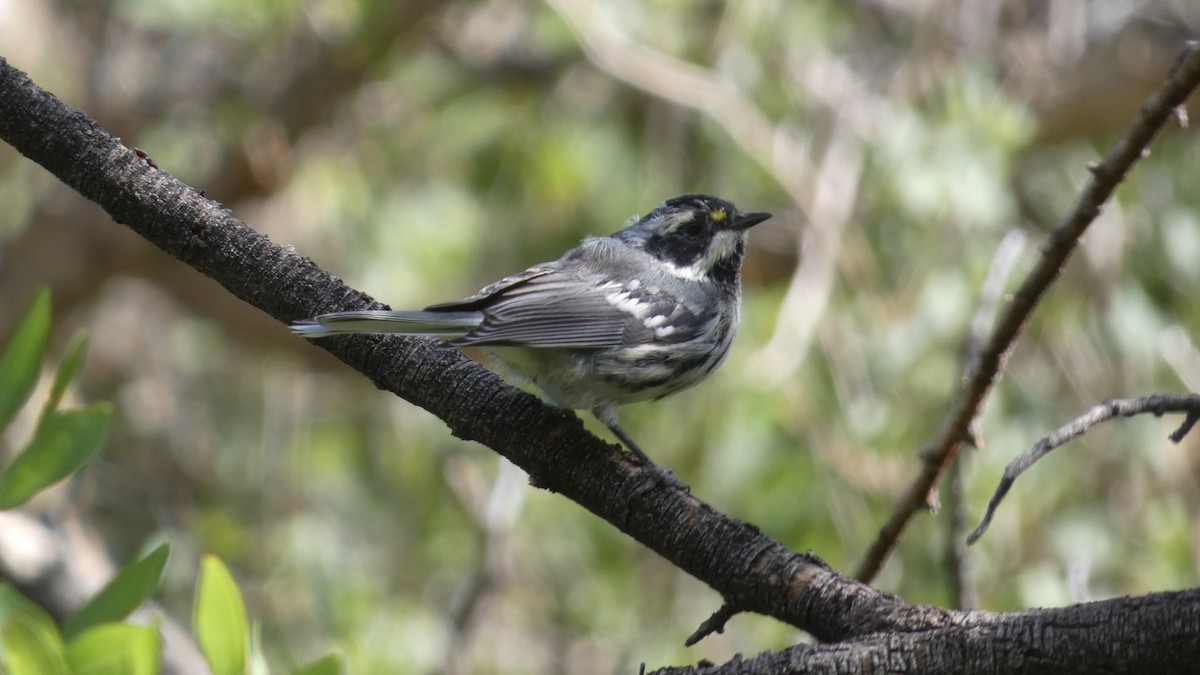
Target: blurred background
<point>914,152</point>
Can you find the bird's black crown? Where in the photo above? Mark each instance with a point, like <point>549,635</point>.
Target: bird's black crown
<point>697,235</point>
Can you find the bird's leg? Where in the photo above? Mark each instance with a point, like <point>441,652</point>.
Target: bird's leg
<point>663,475</point>
<point>633,447</point>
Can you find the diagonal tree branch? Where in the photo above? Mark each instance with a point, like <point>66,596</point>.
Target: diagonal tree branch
<point>1049,641</point>
<point>751,571</point>
<point>1063,238</point>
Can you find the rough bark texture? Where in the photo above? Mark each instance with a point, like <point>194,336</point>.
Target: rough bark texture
<point>872,631</point>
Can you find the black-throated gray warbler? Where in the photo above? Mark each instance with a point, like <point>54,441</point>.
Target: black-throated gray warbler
<point>634,316</point>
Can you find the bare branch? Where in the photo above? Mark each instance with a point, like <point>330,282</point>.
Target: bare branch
<point>991,292</point>
<point>713,624</point>
<point>1160,627</point>
<point>1061,242</point>
<point>1156,405</point>
<point>958,567</point>
<point>751,571</point>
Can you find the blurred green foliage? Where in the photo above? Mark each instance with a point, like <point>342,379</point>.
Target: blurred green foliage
<point>94,640</point>
<point>419,150</point>
<point>62,441</point>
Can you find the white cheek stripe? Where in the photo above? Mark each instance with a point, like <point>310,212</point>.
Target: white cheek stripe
<point>724,243</point>
<point>692,272</point>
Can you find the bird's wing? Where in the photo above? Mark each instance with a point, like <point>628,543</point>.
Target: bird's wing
<point>484,296</point>
<point>583,300</point>
<point>549,310</point>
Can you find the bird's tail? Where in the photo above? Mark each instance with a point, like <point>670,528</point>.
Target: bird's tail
<point>449,324</point>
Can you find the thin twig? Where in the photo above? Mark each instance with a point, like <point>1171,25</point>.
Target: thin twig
<point>493,513</point>
<point>991,292</point>
<point>713,624</point>
<point>1156,405</point>
<point>991,296</point>
<point>1063,238</point>
<point>958,570</point>
<point>958,567</point>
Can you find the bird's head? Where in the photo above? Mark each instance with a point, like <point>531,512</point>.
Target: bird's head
<point>697,236</point>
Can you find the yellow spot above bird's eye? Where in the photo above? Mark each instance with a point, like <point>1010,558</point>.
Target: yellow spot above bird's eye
<point>718,214</point>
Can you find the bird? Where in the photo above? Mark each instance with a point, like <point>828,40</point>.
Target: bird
<point>635,316</point>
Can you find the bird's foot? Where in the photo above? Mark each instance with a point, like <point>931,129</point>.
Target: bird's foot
<point>665,478</point>
<point>661,476</point>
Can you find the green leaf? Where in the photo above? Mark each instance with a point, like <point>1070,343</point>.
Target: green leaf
<point>329,664</point>
<point>136,582</point>
<point>66,372</point>
<point>115,649</point>
<point>63,442</point>
<point>22,359</point>
<point>29,640</point>
<point>219,619</point>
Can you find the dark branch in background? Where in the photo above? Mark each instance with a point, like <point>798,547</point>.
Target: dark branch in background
<point>1060,243</point>
<point>1119,407</point>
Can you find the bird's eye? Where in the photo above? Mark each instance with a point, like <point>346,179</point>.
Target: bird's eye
<point>691,228</point>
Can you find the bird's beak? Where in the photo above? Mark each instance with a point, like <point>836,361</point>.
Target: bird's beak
<point>745,221</point>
